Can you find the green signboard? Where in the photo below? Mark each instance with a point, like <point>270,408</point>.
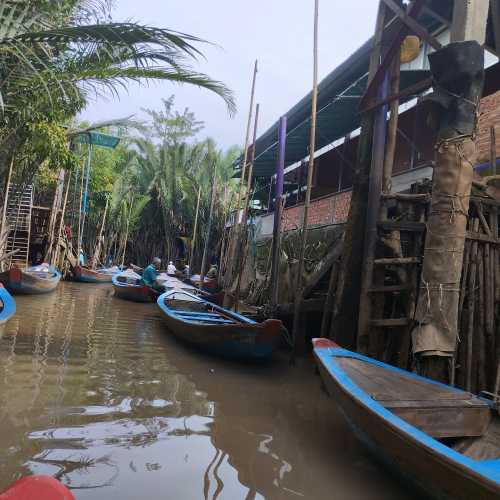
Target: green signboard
<point>97,139</point>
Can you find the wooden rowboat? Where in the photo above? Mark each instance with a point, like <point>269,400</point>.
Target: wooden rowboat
<point>32,280</point>
<point>86,275</point>
<point>447,441</point>
<point>8,308</point>
<point>217,330</point>
<point>130,288</point>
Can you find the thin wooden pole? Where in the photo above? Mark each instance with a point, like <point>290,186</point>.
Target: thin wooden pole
<point>310,176</point>
<point>209,228</point>
<point>97,250</point>
<point>247,139</point>
<point>493,150</point>
<point>195,229</point>
<point>56,203</point>
<point>6,198</point>
<point>79,242</point>
<point>244,234</point>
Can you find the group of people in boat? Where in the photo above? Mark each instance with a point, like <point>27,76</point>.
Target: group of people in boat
<point>150,275</point>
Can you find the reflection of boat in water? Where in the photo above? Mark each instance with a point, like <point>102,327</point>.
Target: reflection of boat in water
<point>445,439</point>
<point>128,286</point>
<point>86,275</point>
<point>216,330</point>
<point>8,307</point>
<point>32,280</point>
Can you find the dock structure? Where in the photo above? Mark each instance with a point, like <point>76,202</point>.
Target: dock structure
<point>374,200</point>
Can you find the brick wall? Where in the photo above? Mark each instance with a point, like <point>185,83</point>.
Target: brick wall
<point>489,115</point>
<point>328,210</point>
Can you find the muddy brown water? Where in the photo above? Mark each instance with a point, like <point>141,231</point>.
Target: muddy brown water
<point>96,392</point>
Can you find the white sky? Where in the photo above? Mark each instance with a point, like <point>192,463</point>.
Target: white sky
<point>276,32</point>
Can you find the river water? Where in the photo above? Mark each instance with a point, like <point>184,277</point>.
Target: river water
<point>94,391</point>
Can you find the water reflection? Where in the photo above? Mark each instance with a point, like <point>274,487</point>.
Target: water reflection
<point>94,392</point>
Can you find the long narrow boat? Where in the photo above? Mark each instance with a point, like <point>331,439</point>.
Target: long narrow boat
<point>8,305</point>
<point>128,286</point>
<point>217,330</point>
<point>32,280</point>
<point>447,441</point>
<point>86,275</point>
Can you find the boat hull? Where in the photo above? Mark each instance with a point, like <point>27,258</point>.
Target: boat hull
<point>133,292</point>
<point>21,282</point>
<point>434,468</point>
<point>85,275</point>
<point>253,341</point>
<point>8,305</point>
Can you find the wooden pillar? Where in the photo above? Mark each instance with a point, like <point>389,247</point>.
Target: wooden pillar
<point>345,322</point>
<point>278,208</point>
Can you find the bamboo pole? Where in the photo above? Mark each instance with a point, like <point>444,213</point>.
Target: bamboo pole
<point>244,218</point>
<point>85,201</point>
<point>209,228</point>
<point>126,230</point>
<point>53,214</point>
<point>97,250</point>
<point>195,229</point>
<point>61,221</point>
<point>310,173</point>
<point>278,210</point>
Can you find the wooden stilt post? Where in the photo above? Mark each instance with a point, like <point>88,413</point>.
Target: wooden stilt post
<point>278,209</point>
<point>95,256</point>
<point>244,218</point>
<point>126,230</point>
<point>85,201</point>
<point>310,173</point>
<point>195,229</point>
<point>209,228</point>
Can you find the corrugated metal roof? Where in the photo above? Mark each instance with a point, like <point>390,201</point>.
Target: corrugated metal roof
<point>338,106</point>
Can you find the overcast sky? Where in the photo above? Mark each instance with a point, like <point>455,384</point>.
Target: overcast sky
<point>276,32</point>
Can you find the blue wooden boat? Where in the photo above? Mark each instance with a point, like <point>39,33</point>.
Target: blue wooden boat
<point>8,307</point>
<point>86,275</point>
<point>128,287</point>
<point>32,280</point>
<point>217,330</point>
<point>447,441</point>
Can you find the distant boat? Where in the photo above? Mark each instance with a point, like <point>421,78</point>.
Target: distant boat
<point>8,305</point>
<point>86,275</point>
<point>32,280</point>
<point>128,286</point>
<point>217,330</point>
<point>446,440</point>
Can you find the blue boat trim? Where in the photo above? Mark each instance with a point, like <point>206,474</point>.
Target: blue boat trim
<point>9,305</point>
<point>328,355</point>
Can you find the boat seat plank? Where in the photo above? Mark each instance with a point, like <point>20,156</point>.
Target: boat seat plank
<point>435,409</point>
<point>198,313</point>
<point>207,320</point>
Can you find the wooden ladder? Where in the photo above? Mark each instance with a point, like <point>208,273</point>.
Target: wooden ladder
<point>386,320</point>
<point>18,215</point>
